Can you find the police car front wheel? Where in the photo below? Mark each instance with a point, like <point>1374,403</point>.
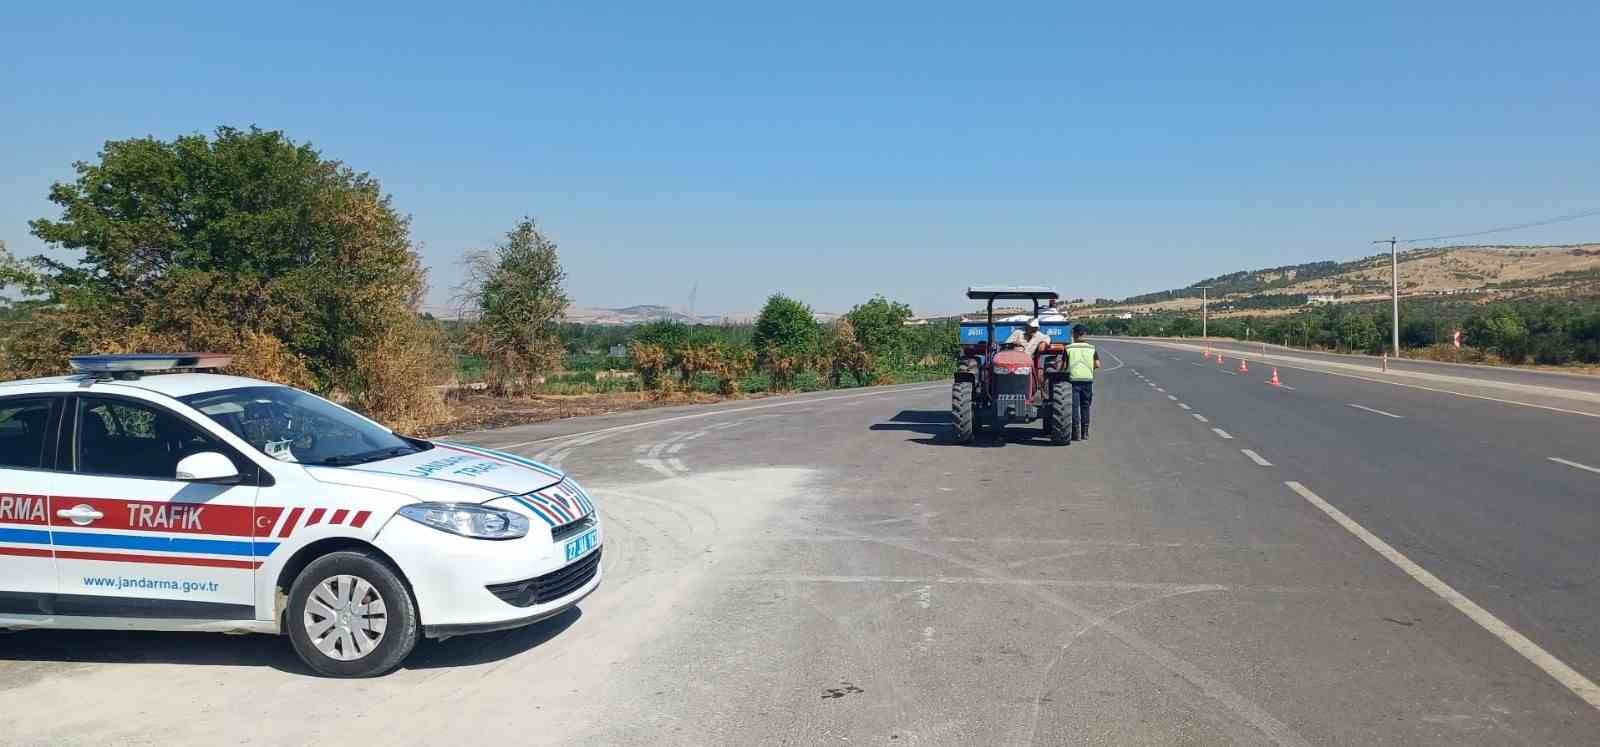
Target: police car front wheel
<point>350,615</point>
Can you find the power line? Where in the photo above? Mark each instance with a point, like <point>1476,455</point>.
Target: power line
<point>1534,224</point>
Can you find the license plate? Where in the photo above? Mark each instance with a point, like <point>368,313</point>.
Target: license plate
<point>582,545</point>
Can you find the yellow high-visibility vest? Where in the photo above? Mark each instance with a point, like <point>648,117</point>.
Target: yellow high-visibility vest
<point>1080,361</point>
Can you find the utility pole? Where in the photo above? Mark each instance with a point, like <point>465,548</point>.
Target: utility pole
<point>1205,310</point>
<point>1394,297</point>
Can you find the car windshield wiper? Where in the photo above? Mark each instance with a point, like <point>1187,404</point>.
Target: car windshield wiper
<point>345,460</point>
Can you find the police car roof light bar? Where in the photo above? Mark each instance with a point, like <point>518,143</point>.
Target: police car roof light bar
<point>132,365</point>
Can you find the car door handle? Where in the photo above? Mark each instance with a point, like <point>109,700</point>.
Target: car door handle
<point>80,514</point>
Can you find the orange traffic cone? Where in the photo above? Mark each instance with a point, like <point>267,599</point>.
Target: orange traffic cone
<point>1205,355</point>
<point>1219,359</point>
<point>1243,368</point>
<point>1274,380</point>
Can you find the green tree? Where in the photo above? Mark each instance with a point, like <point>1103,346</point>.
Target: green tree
<point>245,242</point>
<point>785,340</point>
<point>16,274</point>
<point>516,296</point>
<point>786,327</point>
<point>1357,332</point>
<point>668,334</point>
<point>880,327</point>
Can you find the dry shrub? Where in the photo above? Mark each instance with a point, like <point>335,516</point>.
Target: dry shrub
<point>1449,353</point>
<point>651,363</point>
<point>732,367</point>
<point>841,353</point>
<point>399,370</point>
<point>781,369</point>
<point>693,359</point>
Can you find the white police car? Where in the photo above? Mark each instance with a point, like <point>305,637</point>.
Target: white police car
<point>143,493</point>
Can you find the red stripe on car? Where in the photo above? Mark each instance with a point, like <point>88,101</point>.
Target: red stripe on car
<point>156,559</point>
<point>288,524</point>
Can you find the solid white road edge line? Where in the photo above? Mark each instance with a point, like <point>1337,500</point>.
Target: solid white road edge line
<point>1423,388</point>
<point>1559,460</point>
<point>1380,412</point>
<point>1254,457</point>
<point>1567,676</point>
<point>712,414</point>
<point>1221,433</point>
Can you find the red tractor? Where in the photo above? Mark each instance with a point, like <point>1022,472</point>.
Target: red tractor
<point>997,384</point>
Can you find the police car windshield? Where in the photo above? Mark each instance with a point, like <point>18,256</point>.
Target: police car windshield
<point>292,426</point>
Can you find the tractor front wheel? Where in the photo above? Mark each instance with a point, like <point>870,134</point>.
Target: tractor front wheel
<point>962,413</point>
<point>1058,419</point>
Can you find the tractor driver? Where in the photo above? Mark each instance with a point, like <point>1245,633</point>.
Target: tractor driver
<point>1031,340</point>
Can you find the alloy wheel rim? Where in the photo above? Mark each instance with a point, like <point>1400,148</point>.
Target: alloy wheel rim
<point>345,617</point>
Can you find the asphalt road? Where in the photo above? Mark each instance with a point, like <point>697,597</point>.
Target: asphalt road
<point>1526,376</point>
<point>831,568</point>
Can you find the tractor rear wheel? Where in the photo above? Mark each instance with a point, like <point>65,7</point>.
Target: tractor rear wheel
<point>962,413</point>
<point>1058,418</point>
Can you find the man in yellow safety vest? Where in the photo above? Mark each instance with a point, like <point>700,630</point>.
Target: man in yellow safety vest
<point>1082,360</point>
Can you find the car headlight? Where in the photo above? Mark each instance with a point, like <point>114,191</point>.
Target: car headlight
<point>468,520</point>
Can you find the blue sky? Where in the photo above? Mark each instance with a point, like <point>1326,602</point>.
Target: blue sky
<point>836,150</point>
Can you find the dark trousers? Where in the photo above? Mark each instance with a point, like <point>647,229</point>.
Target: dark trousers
<point>1082,397</point>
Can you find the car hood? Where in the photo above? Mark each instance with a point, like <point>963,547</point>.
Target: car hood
<point>449,472</point>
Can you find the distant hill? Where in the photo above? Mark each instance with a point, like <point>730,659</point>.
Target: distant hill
<point>643,313</point>
<point>638,314</point>
<point>1483,272</point>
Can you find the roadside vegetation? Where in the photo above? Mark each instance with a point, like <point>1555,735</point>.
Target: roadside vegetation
<point>1538,330</point>
<point>248,243</point>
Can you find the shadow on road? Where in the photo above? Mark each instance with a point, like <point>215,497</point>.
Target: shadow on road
<point>211,649</point>
<point>935,424</point>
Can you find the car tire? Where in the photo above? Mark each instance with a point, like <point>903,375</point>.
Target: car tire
<point>351,615</point>
<point>961,411</point>
<point>1058,417</point>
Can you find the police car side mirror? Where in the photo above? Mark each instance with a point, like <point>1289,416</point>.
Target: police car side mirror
<point>207,466</point>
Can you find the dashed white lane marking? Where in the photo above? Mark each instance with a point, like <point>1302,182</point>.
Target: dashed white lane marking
<point>1559,460</point>
<point>1159,389</point>
<point>1174,399</point>
<point>1379,412</point>
<point>1434,389</point>
<point>1184,406</point>
<point>1201,418</point>
<point>1286,386</point>
<point>1221,433</point>
<point>1254,457</point>
<point>1580,685</point>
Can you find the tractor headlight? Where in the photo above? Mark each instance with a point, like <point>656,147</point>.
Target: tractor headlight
<point>468,520</point>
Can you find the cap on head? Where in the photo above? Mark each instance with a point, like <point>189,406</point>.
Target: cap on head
<point>1033,323</point>
<point>1079,330</point>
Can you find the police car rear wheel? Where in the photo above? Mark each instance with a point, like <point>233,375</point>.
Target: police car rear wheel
<point>350,615</point>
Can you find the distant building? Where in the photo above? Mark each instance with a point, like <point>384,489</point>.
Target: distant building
<point>618,351</point>
<point>915,322</point>
<point>1319,300</point>
<point>1125,315</point>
